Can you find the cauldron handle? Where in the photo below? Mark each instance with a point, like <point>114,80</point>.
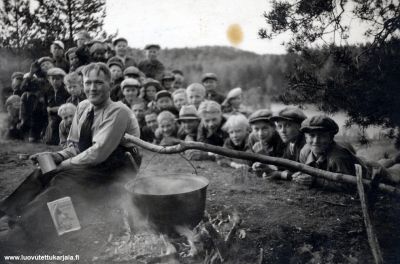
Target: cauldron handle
<point>158,154</point>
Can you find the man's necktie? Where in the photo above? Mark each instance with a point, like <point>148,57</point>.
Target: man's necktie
<point>85,137</point>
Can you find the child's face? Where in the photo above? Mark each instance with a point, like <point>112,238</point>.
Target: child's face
<point>167,127</point>
<point>74,89</point>
<point>287,130</point>
<point>130,93</point>
<point>151,122</point>
<point>120,48</point>
<point>46,65</point>
<point>164,103</point>
<point>212,121</point>
<point>138,110</point>
<point>236,101</point>
<point>263,130</point>
<point>16,82</point>
<point>178,83</point>
<point>195,98</point>
<point>237,134</point>
<point>168,84</point>
<point>190,126</point>
<point>116,72</point>
<point>68,117</point>
<point>151,92</point>
<point>152,53</point>
<point>73,59</point>
<point>99,55</point>
<point>56,81</point>
<point>210,84</point>
<point>319,141</point>
<point>180,100</point>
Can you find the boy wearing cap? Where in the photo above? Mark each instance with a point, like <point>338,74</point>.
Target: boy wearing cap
<point>166,132</point>
<point>130,91</point>
<point>74,86</point>
<point>210,82</point>
<point>189,122</point>
<point>57,50</point>
<point>151,66</point>
<point>167,81</point>
<point>195,94</point>
<point>54,100</point>
<point>179,97</point>
<point>132,72</point>
<point>116,68</point>
<point>121,49</point>
<point>66,112</point>
<point>164,102</point>
<point>237,127</point>
<point>322,152</point>
<point>13,106</point>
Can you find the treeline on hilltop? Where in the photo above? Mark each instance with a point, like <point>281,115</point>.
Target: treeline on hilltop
<point>262,77</point>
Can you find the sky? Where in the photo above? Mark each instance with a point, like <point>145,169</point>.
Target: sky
<point>191,23</point>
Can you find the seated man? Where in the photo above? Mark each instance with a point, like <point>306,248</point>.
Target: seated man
<point>88,169</point>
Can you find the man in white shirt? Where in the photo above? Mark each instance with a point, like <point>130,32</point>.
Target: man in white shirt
<point>96,160</point>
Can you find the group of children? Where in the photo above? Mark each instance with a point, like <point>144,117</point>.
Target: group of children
<point>42,104</point>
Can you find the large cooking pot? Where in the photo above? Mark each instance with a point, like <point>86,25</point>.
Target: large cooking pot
<point>169,201</point>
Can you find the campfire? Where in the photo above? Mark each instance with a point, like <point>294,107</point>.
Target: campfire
<point>209,242</point>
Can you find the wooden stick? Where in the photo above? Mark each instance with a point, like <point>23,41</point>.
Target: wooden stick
<point>372,239</point>
<point>295,166</point>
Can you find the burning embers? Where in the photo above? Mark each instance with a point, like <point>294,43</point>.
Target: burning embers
<point>209,242</point>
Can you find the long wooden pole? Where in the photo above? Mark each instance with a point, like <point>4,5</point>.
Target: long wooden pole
<point>182,146</point>
<point>372,238</point>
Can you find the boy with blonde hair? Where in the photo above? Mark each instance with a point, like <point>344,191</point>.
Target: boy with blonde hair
<point>74,86</point>
<point>66,112</point>
<point>238,127</point>
<point>195,94</point>
<point>179,97</point>
<point>167,129</point>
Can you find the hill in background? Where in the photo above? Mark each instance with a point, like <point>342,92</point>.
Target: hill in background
<point>262,77</point>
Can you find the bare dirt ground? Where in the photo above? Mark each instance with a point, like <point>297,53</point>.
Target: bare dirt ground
<point>292,224</point>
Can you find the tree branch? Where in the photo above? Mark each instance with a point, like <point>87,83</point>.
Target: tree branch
<point>296,166</point>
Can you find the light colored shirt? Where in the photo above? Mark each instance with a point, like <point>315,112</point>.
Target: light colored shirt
<point>110,124</point>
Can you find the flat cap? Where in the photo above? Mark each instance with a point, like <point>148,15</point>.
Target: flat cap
<point>167,76</point>
<point>43,59</point>
<point>97,46</point>
<point>260,115</point>
<point>152,82</point>
<point>293,114</point>
<point>188,112</point>
<point>115,61</point>
<point>149,46</point>
<point>59,43</point>
<point>319,123</point>
<point>176,71</point>
<point>56,72</point>
<point>209,75</point>
<point>163,93</point>
<point>115,41</point>
<point>17,75</point>
<point>132,70</point>
<point>130,82</point>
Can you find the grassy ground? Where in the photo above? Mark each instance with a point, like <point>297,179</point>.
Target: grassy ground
<point>292,224</point>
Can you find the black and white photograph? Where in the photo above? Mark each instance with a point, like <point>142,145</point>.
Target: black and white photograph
<point>200,131</point>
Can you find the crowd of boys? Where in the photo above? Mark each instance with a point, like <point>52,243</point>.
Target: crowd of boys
<point>41,105</point>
